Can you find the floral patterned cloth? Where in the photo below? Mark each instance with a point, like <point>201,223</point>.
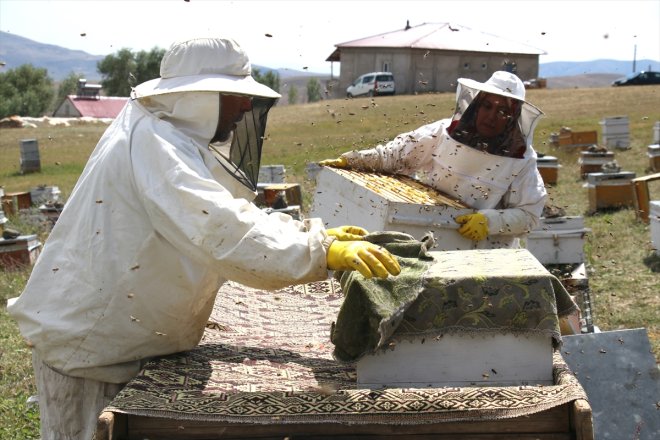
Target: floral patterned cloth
<point>266,358</point>
<point>469,291</point>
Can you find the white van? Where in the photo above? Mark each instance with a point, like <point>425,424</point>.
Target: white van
<point>372,84</point>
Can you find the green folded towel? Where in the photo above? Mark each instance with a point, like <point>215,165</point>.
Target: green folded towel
<point>374,308</point>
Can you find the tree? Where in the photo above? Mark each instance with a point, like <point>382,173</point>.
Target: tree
<point>25,91</point>
<point>124,70</point>
<point>293,94</point>
<point>148,64</point>
<point>116,70</point>
<point>313,90</point>
<point>68,86</point>
<point>270,79</point>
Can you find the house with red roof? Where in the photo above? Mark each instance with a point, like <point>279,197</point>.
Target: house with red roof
<point>88,102</point>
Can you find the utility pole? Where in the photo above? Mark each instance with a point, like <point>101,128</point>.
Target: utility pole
<point>634,58</point>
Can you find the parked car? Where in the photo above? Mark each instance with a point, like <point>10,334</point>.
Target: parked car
<point>372,84</point>
<point>638,79</point>
<point>536,83</point>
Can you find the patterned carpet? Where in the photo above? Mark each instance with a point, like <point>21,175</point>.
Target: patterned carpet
<point>266,357</point>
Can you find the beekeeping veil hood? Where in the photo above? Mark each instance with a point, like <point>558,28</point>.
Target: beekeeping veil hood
<point>505,84</point>
<point>217,65</point>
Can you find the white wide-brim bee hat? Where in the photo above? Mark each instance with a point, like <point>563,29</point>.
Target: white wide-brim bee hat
<point>218,66</point>
<point>205,65</point>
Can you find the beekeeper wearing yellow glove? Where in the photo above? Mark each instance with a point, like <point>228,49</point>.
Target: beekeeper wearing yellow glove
<point>160,218</point>
<point>482,156</point>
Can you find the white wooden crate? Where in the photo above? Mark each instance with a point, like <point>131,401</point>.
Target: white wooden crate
<point>653,153</point>
<point>340,200</point>
<point>615,132</point>
<point>558,240</point>
<point>460,360</point>
<point>654,224</point>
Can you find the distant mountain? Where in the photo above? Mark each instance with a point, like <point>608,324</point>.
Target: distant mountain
<point>60,62</point>
<point>572,68</point>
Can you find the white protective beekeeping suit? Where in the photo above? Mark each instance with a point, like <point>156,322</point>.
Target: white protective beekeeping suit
<point>509,191</point>
<point>156,224</point>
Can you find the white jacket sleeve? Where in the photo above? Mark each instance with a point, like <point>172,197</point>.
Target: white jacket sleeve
<point>521,207</point>
<point>402,155</point>
<point>197,214</point>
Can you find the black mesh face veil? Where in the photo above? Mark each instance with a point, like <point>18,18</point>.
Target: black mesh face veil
<point>244,156</point>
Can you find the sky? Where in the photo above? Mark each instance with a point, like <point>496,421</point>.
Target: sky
<point>300,35</point>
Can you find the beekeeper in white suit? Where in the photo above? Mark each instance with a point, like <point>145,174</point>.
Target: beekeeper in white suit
<point>158,220</point>
<point>483,156</point>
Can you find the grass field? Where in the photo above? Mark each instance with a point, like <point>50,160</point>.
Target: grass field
<point>623,271</point>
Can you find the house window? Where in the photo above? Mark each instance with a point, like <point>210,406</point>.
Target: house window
<point>509,66</point>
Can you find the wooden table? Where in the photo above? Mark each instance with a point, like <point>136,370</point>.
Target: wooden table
<point>571,421</point>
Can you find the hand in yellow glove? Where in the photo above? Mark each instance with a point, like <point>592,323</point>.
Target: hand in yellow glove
<point>367,258</point>
<point>340,162</point>
<point>347,233</point>
<point>474,226</point>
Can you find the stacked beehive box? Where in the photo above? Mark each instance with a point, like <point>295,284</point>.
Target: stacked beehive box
<point>610,190</point>
<point>19,252</point>
<point>13,202</point>
<point>474,355</point>
<point>615,131</point>
<point>44,194</point>
<point>558,240</point>
<point>654,221</point>
<point>548,167</point>
<point>574,139</point>
<point>592,161</point>
<point>30,161</point>
<point>3,219</point>
<point>653,152</point>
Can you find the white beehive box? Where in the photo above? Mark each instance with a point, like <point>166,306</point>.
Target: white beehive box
<point>460,360</point>
<point>43,194</point>
<point>615,132</point>
<point>29,159</point>
<point>653,152</point>
<point>558,240</point>
<point>380,202</point>
<point>3,219</point>
<point>474,357</point>
<point>654,224</point>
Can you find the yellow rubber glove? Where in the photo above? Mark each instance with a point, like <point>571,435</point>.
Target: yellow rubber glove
<point>367,258</point>
<point>474,226</point>
<point>340,162</point>
<point>347,233</point>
